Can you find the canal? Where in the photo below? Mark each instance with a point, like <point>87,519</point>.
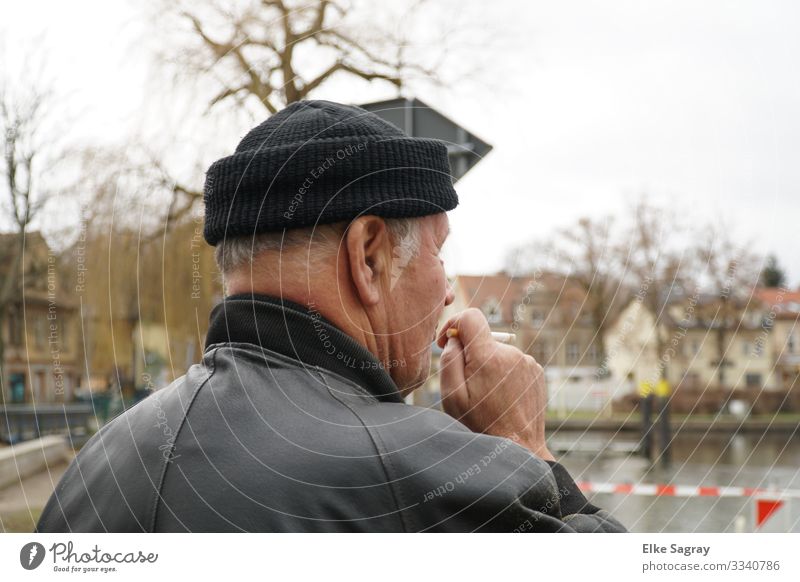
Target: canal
<point>770,460</point>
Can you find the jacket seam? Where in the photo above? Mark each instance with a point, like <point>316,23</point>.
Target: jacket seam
<point>383,460</point>
<point>158,495</point>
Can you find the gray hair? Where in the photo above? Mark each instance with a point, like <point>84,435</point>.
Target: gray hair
<point>233,254</point>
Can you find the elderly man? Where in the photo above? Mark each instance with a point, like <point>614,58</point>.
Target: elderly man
<point>328,224</point>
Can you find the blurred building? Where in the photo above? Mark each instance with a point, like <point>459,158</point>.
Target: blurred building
<point>783,342</point>
<point>41,359</point>
<point>706,345</point>
<point>749,343</point>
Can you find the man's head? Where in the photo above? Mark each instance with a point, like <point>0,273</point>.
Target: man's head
<point>379,280</point>
<point>331,207</point>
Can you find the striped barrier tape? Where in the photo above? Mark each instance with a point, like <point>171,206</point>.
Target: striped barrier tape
<point>662,490</point>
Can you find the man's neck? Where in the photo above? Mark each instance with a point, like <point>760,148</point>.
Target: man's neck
<point>280,325</point>
<point>338,307</point>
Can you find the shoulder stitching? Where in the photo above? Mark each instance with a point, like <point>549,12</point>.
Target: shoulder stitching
<point>383,459</point>
<point>158,495</point>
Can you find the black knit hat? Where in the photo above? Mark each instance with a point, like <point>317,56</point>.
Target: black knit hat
<point>317,162</point>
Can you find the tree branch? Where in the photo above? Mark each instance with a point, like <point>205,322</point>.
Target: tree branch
<point>340,66</point>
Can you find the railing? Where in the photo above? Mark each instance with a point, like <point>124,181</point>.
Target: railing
<point>21,422</point>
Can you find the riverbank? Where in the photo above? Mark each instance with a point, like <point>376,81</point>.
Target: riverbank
<point>680,423</point>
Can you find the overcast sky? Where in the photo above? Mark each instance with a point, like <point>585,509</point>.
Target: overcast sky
<point>696,104</point>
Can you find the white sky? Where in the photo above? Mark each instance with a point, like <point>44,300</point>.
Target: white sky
<point>695,103</point>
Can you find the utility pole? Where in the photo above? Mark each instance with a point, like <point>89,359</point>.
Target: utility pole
<point>646,408</point>
<point>663,392</point>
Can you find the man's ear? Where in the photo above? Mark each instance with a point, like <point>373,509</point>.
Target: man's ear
<point>367,245</point>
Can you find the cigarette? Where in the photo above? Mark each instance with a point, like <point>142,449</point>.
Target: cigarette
<point>499,336</point>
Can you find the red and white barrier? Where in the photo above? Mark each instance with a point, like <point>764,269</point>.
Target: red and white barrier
<point>662,490</point>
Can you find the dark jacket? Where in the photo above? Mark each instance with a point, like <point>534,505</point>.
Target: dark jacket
<point>288,424</point>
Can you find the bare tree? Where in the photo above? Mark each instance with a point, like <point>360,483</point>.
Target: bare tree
<point>656,265</point>
<point>141,271</point>
<point>23,192</point>
<point>593,259</point>
<point>261,50</point>
<point>587,254</point>
<point>274,52</point>
<point>729,271</point>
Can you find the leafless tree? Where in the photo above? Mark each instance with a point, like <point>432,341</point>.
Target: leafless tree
<point>729,271</point>
<point>259,50</point>
<point>23,191</point>
<point>656,265</point>
<point>587,253</point>
<point>594,261</point>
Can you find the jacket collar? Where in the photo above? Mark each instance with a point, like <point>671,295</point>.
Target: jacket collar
<point>299,333</point>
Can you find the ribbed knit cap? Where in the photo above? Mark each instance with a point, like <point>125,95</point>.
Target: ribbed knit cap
<point>317,162</point>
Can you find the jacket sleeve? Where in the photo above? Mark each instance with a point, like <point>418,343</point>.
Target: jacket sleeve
<point>447,478</point>
<point>576,511</point>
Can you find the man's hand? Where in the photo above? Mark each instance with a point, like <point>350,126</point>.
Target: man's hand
<point>491,387</point>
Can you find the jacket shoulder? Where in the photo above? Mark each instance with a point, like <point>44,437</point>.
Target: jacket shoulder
<point>115,481</point>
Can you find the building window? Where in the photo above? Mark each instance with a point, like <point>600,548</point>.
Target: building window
<point>790,343</point>
<point>593,353</point>
<point>753,380</point>
<point>17,388</point>
<point>573,352</point>
<point>745,348</point>
<point>537,318</point>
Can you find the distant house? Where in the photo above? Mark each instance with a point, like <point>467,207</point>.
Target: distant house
<point>747,349</point>
<point>701,342</point>
<point>41,330</point>
<point>783,341</point>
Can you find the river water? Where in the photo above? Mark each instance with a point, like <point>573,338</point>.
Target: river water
<point>740,460</point>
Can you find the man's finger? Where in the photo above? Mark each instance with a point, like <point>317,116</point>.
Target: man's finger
<point>472,328</point>
<point>452,381</point>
